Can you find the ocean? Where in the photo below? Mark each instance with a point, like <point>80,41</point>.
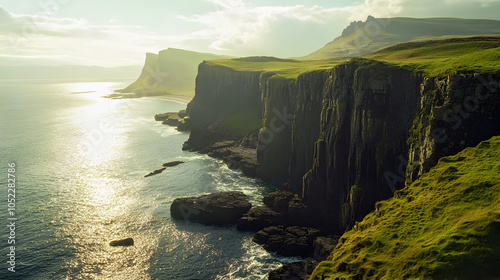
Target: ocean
<point>80,162</point>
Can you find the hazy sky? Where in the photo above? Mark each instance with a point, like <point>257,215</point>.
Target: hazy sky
<point>113,33</point>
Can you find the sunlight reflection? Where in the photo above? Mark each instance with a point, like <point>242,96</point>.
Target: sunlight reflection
<point>102,202</point>
<point>97,89</point>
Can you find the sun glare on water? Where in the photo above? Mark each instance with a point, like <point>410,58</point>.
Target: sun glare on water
<point>103,201</point>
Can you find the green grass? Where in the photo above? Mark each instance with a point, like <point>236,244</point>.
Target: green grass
<point>376,34</point>
<point>444,57</point>
<point>433,58</point>
<point>446,225</point>
<point>283,68</point>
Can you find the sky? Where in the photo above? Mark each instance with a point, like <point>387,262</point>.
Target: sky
<point>119,32</point>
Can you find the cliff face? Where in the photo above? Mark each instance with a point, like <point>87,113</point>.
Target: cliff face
<point>446,225</point>
<point>366,116</point>
<point>306,125</point>
<point>456,112</point>
<point>171,71</point>
<point>288,112</point>
<point>222,93</point>
<point>341,138</point>
<point>145,81</point>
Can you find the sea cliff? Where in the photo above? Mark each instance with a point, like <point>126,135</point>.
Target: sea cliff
<point>347,134</point>
<point>342,138</point>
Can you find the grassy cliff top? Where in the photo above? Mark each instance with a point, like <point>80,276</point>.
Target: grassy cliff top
<point>446,225</point>
<point>433,58</point>
<point>287,68</point>
<point>444,57</point>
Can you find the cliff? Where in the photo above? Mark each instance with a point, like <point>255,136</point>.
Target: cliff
<point>341,136</point>
<point>171,71</point>
<point>366,115</point>
<point>445,225</point>
<point>456,112</point>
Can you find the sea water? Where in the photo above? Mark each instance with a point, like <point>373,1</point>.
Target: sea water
<point>80,161</point>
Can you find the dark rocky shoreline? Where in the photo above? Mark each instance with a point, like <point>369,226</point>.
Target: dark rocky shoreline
<point>282,224</point>
<point>237,154</point>
<point>273,228</point>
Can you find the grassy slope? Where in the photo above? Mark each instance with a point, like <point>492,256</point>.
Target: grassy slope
<point>446,225</point>
<point>286,68</point>
<point>385,32</point>
<point>433,58</point>
<point>440,58</point>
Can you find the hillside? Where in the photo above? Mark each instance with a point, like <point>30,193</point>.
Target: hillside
<point>446,225</point>
<point>361,38</point>
<point>171,72</point>
<point>443,57</point>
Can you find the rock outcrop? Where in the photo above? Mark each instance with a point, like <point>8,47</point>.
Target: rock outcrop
<point>280,208</point>
<point>294,271</point>
<point>216,208</point>
<point>287,241</point>
<point>301,270</point>
<point>122,242</point>
<point>259,217</point>
<point>156,172</point>
<point>172,163</point>
<point>179,120</point>
<point>165,165</point>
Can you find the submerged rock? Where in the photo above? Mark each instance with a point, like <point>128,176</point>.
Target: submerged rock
<point>216,208</point>
<point>122,242</point>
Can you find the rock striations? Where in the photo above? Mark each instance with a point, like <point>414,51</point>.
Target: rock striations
<point>341,138</point>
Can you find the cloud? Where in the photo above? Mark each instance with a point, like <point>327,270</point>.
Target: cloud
<point>237,25</point>
<point>80,42</point>
<point>483,3</point>
<point>232,27</point>
<point>376,8</point>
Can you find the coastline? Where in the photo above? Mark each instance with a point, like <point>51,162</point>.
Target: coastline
<point>174,97</point>
<point>180,98</point>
